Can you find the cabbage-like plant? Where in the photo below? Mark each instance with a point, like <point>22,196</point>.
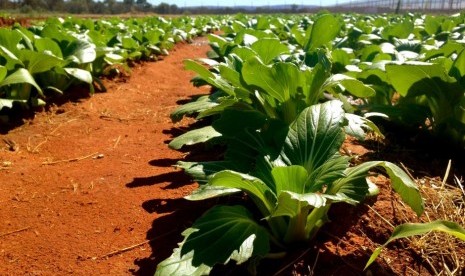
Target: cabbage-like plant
<point>293,189</point>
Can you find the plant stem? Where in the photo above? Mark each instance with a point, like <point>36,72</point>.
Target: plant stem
<point>317,218</point>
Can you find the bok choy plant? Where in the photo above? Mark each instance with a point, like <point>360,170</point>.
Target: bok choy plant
<point>292,186</point>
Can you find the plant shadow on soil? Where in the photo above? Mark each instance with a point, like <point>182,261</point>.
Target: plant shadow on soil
<point>21,114</point>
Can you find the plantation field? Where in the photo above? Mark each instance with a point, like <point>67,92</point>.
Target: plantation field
<point>95,184</point>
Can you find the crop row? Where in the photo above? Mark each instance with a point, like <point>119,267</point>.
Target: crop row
<point>43,61</point>
<point>286,93</point>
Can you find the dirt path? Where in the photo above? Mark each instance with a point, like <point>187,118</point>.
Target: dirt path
<point>86,178</point>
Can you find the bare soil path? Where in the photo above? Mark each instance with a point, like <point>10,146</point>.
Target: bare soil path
<point>84,179</point>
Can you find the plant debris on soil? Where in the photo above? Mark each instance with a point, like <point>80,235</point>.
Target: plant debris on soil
<point>88,187</point>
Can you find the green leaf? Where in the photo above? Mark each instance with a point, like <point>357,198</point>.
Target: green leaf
<point>326,174</point>
<point>209,77</point>
<point>80,74</point>
<point>290,178</point>
<point>413,229</point>
<point>353,86</point>
<point>11,59</point>
<point>233,122</point>
<point>279,80</point>
<point>10,39</point>
<point>358,126</point>
<point>21,76</point>
<point>181,265</point>
<point>355,185</point>
<point>415,79</point>
<point>207,191</point>
<point>404,186</point>
<point>194,137</point>
<point>324,30</point>
<point>398,30</point>
<point>268,49</point>
<point>200,171</point>
<point>201,104</point>
<point>315,136</point>
<point>80,51</point>
<point>38,62</point>
<point>224,233</point>
<point>432,25</point>
<point>45,44</point>
<point>262,194</point>
<point>292,204</point>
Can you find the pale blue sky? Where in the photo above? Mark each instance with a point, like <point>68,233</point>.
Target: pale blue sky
<point>182,3</point>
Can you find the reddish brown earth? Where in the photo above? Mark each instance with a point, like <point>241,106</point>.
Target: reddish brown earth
<point>88,188</point>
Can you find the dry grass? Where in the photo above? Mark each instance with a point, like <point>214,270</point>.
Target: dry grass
<point>444,254</point>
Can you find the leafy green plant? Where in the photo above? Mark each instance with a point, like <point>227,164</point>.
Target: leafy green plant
<point>292,188</point>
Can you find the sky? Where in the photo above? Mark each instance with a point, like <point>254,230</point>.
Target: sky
<point>188,3</point>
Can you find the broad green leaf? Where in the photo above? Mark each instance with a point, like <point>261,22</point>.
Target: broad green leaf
<point>244,53</point>
<point>224,233</point>
<point>416,79</point>
<point>291,204</point>
<point>230,75</point>
<point>432,25</point>
<point>399,30</point>
<point>200,171</point>
<point>290,179</point>
<point>268,49</point>
<point>326,174</point>
<point>315,136</point>
<point>404,186</point>
<point>353,86</point>
<point>194,137</point>
<point>38,62</point>
<point>201,104</point>
<point>21,76</point>
<point>129,43</point>
<point>413,229</point>
<point>355,186</point>
<point>358,126</point>
<point>209,77</point>
<point>234,122</point>
<point>218,109</point>
<point>316,78</point>
<point>324,30</point>
<point>80,74</point>
<point>10,39</point>
<point>11,59</point>
<point>279,80</point>
<point>45,44</point>
<point>254,187</point>
<point>207,191</point>
<point>181,265</point>
<point>80,51</point>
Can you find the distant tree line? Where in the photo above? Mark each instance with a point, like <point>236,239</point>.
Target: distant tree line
<point>130,6</point>
<point>88,6</point>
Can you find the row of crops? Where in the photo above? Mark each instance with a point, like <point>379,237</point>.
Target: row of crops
<point>43,61</point>
<point>286,92</point>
